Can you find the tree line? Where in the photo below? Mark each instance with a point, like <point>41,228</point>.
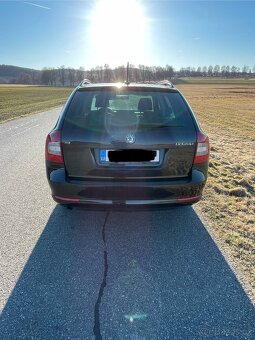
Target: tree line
<point>66,76</point>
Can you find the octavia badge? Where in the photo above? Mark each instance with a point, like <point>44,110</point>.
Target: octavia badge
<point>130,139</point>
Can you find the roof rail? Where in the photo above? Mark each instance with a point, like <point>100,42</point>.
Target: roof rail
<point>85,82</point>
<point>166,83</point>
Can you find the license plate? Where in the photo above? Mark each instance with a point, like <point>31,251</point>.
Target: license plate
<point>104,156</point>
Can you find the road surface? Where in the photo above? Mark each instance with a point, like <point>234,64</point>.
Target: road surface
<point>74,274</point>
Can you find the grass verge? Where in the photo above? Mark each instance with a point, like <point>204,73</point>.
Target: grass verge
<point>227,115</point>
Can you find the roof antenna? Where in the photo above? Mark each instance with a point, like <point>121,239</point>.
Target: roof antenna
<point>127,78</point>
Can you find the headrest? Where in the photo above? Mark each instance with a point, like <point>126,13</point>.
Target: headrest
<point>145,104</point>
<point>101,101</point>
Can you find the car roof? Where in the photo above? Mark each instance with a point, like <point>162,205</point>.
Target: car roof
<point>159,85</point>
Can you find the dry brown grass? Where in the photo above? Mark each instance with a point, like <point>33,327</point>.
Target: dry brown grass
<point>227,115</point>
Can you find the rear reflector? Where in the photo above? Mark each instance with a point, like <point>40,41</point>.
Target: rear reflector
<point>188,199</point>
<point>66,199</point>
<point>202,152</point>
<point>53,150</point>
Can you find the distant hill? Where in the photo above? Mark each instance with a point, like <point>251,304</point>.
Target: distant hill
<point>16,74</point>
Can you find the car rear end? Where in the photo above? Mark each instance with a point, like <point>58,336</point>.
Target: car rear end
<point>129,145</point>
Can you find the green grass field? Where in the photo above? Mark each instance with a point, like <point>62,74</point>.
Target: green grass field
<point>17,101</point>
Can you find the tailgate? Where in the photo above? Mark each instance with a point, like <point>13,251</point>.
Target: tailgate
<point>173,150</point>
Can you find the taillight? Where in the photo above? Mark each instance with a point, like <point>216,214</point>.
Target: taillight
<point>53,150</point>
<point>66,199</point>
<point>202,151</point>
<point>188,199</point>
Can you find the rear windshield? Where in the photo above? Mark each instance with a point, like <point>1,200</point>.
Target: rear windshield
<point>115,110</point>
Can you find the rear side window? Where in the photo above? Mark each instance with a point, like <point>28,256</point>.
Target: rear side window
<point>99,110</point>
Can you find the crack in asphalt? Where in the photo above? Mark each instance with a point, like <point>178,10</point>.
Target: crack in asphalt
<point>96,328</point>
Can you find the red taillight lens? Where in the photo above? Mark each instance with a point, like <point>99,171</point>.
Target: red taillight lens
<point>53,150</point>
<point>188,199</point>
<point>202,151</point>
<point>66,199</point>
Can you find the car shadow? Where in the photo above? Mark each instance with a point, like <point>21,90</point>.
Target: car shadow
<point>57,289</point>
<point>165,279</point>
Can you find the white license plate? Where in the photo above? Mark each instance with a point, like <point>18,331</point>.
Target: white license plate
<point>104,156</point>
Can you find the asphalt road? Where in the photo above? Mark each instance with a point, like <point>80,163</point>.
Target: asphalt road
<point>74,274</point>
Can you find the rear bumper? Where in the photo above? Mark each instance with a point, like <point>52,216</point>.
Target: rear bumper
<point>160,192</point>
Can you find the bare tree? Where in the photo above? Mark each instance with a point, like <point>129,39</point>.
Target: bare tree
<point>204,71</point>
<point>80,74</point>
<point>62,75</point>
<point>71,73</point>
<point>107,74</point>
<point>245,70</point>
<point>46,76</point>
<point>24,78</point>
<point>227,71</point>
<point>216,70</point>
<point>169,72</point>
<point>210,71</point>
<point>233,71</point>
<point>142,73</point>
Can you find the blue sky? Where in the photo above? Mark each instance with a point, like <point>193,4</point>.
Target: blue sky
<point>74,33</point>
